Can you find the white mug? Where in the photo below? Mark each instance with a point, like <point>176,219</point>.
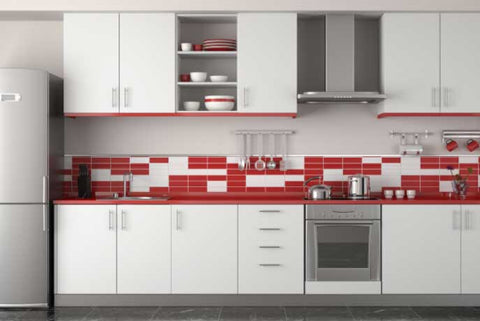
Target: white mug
<point>186,46</point>
<point>388,193</point>
<point>399,193</point>
<point>411,194</point>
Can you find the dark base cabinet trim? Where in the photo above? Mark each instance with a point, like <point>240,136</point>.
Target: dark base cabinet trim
<point>265,300</point>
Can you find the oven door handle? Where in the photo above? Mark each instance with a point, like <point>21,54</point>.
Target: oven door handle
<point>342,223</point>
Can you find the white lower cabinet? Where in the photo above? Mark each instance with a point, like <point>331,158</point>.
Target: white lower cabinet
<point>204,249</point>
<point>270,249</point>
<point>421,247</point>
<point>471,249</point>
<point>85,249</point>
<point>105,249</point>
<point>144,245</point>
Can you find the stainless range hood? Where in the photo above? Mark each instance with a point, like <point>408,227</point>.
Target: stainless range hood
<point>340,65</point>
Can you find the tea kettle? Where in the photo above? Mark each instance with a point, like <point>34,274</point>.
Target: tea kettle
<point>317,192</point>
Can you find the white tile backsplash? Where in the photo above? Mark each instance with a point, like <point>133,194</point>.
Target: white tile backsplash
<point>101,175</point>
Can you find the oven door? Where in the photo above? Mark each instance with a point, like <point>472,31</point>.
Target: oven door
<point>343,250</point>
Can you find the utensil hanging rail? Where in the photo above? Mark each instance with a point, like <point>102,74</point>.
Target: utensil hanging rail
<point>264,132</point>
<point>460,134</point>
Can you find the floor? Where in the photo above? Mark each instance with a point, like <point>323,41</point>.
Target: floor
<point>245,313</point>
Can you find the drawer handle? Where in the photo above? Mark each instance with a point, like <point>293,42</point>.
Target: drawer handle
<point>269,229</point>
<point>269,264</point>
<point>269,246</point>
<point>343,212</point>
<point>269,211</point>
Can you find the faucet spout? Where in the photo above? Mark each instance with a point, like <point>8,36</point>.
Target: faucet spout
<point>127,177</point>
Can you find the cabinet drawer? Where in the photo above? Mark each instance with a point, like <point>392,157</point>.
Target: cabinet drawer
<point>271,249</point>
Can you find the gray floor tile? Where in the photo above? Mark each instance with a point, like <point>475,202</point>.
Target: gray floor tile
<point>465,313</point>
<point>384,313</point>
<point>252,314</point>
<point>435,313</point>
<point>11,314</point>
<point>187,314</point>
<point>318,314</point>
<point>71,314</point>
<point>37,315</point>
<point>122,314</point>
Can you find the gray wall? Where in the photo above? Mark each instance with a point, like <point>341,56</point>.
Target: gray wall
<point>321,129</point>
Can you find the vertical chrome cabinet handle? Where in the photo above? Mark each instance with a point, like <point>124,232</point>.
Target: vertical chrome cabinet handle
<point>125,97</point>
<point>110,220</point>
<point>245,96</point>
<point>177,220</point>
<point>124,220</point>
<point>434,99</point>
<point>467,220</point>
<point>456,217</point>
<point>45,189</point>
<point>114,97</point>
<point>446,102</point>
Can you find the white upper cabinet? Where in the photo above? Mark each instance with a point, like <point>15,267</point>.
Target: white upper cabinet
<point>460,48</point>
<point>147,62</point>
<point>85,249</point>
<point>267,62</point>
<point>119,62</point>
<point>90,66</point>
<point>144,249</point>
<point>204,249</point>
<point>470,249</point>
<point>421,249</point>
<point>410,62</point>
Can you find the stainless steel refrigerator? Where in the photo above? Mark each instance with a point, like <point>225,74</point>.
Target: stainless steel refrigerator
<point>31,147</point>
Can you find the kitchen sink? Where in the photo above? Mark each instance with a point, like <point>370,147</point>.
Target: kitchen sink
<point>140,198</point>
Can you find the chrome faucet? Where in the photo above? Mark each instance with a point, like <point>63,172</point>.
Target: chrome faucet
<point>127,176</point>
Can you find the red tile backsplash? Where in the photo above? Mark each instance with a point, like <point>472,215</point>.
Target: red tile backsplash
<point>157,175</point>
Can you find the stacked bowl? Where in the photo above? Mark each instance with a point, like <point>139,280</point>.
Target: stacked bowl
<point>219,45</point>
<point>219,102</point>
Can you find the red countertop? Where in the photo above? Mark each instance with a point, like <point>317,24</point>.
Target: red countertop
<point>276,198</point>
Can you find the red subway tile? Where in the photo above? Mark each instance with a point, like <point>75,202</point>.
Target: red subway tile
<point>372,172</point>
<point>197,188</point>
<point>81,160</point>
<point>159,189</point>
<point>235,183</point>
<point>275,189</point>
<point>197,166</point>
<point>293,183</point>
<point>140,172</point>
<point>197,183</point>
<point>217,166</point>
<point>371,166</point>
<point>101,166</point>
<point>293,189</point>
<point>429,166</point>
<point>332,160</point>
<point>391,160</point>
<point>332,166</point>
<point>103,160</point>
<point>117,160</point>
<point>178,189</point>
<point>217,177</point>
<point>316,166</point>
<point>178,178</point>
<point>139,166</point>
<point>221,160</point>
<point>236,178</point>
<point>197,160</point>
<point>310,159</point>
<point>255,189</point>
<point>197,178</point>
<point>234,189</point>
<point>158,159</point>
<point>352,160</point>
<point>294,172</point>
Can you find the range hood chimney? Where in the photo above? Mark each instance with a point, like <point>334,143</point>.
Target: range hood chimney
<point>340,65</point>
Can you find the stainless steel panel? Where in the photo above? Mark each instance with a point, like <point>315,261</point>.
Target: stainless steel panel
<point>24,253</point>
<point>23,135</point>
<point>340,212</point>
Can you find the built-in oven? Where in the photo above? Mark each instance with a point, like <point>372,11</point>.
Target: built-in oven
<point>343,243</point>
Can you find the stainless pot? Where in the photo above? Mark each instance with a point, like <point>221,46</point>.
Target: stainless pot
<point>358,186</point>
<point>317,192</point>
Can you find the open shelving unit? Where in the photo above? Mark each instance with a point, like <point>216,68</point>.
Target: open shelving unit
<point>194,29</point>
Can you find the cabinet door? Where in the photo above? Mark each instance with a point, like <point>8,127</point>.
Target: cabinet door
<point>90,66</point>
<point>147,62</point>
<point>267,62</point>
<point>470,249</point>
<point>270,249</point>
<point>421,249</point>
<point>410,62</point>
<point>460,46</point>
<point>85,249</point>
<point>144,245</point>
<point>204,249</point>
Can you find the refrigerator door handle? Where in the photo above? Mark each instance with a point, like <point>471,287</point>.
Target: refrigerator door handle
<point>10,97</point>
<point>44,221</point>
<point>45,189</point>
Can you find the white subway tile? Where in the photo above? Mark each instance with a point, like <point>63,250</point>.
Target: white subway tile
<point>116,178</point>
<point>255,180</point>
<point>232,159</point>
<point>198,171</point>
<point>468,159</point>
<point>140,180</point>
<point>158,181</point>
<point>391,169</point>
<point>333,175</point>
<point>159,167</point>
<point>296,162</point>
<point>294,178</point>
<point>100,175</point>
<point>216,171</point>
<point>410,162</point>
<point>67,162</point>
<point>139,160</point>
<point>175,171</point>
<point>371,160</point>
<point>446,186</point>
<point>391,180</point>
<point>274,181</point>
<point>140,189</point>
<point>66,178</point>
<point>430,171</point>
<point>216,186</point>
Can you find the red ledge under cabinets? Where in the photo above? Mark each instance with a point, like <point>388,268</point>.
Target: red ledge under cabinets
<point>182,114</point>
<point>386,115</point>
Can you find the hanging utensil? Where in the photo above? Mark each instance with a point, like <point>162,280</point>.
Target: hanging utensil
<point>271,163</point>
<point>260,163</point>
<point>248,144</point>
<point>283,163</point>
<point>242,162</point>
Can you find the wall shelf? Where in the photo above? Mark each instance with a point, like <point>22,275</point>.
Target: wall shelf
<point>232,113</point>
<point>207,54</point>
<point>207,84</point>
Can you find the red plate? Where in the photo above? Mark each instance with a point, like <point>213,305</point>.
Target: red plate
<point>220,44</point>
<point>219,49</point>
<point>221,100</point>
<point>219,40</point>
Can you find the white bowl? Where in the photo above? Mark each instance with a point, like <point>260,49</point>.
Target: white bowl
<point>198,76</point>
<point>219,97</point>
<point>191,105</point>
<point>186,46</point>
<point>218,78</point>
<point>219,105</point>
<point>399,194</point>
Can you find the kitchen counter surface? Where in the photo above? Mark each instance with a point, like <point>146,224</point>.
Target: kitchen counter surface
<point>275,198</point>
